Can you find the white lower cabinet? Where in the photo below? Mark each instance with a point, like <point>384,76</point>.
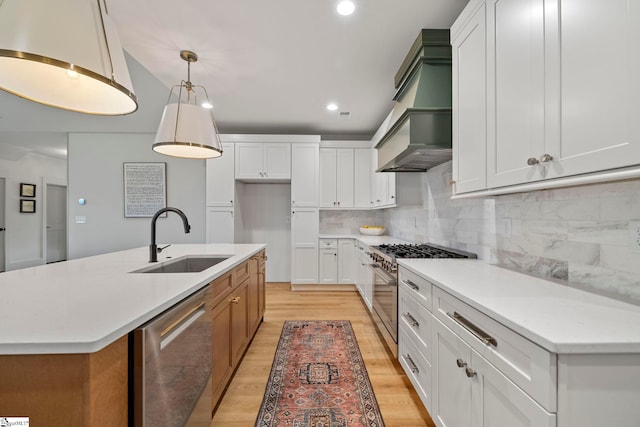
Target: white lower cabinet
<point>220,225</point>
<point>304,246</point>
<point>336,261</point>
<point>469,391</point>
<point>364,274</point>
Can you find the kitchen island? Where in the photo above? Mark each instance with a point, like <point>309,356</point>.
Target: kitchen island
<point>64,328</point>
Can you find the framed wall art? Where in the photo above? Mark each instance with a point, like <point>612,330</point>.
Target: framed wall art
<point>27,190</point>
<point>27,206</point>
<point>145,189</point>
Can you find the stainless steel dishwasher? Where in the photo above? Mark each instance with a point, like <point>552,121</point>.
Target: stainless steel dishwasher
<point>171,369</point>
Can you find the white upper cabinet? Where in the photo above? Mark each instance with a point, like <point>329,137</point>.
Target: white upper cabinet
<point>555,94</point>
<point>469,69</point>
<point>220,178</point>
<point>336,177</point>
<point>516,90</point>
<point>304,175</point>
<point>599,83</point>
<point>362,178</point>
<point>383,186</point>
<point>263,161</point>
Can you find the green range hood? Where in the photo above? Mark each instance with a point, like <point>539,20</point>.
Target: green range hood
<point>419,136</point>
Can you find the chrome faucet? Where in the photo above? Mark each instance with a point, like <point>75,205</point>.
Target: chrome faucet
<point>153,248</point>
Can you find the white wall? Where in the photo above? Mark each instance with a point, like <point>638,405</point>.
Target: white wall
<point>96,174</point>
<point>24,235</point>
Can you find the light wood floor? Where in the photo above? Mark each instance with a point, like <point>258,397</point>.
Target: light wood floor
<point>399,404</point>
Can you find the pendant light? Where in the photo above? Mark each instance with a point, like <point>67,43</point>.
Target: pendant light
<point>65,54</point>
<point>188,129</point>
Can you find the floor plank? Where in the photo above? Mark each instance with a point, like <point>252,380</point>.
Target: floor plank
<point>399,404</point>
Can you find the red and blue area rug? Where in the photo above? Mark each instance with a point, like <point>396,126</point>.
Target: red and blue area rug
<point>318,379</point>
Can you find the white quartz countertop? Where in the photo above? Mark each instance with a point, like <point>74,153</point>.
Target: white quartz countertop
<point>83,305</point>
<point>365,239</point>
<point>559,318</point>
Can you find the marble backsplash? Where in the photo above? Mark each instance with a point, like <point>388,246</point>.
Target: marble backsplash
<point>578,235</point>
<point>347,222</point>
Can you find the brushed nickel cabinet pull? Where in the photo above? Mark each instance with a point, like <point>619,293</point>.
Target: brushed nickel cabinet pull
<point>413,367</point>
<point>412,320</point>
<point>473,329</point>
<point>532,161</point>
<point>461,363</point>
<point>235,300</point>
<point>470,372</point>
<point>412,285</point>
<point>546,158</point>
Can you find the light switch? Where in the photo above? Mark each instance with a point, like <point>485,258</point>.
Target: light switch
<point>81,219</point>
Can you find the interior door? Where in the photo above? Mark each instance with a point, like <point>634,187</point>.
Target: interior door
<point>2,228</point>
<point>56,223</point>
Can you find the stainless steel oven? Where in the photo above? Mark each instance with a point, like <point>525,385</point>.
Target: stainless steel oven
<point>171,368</point>
<point>385,286</point>
<point>385,304</point>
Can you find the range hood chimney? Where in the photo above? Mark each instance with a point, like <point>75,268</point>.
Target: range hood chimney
<point>419,136</point>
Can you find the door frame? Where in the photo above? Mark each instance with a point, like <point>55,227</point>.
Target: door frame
<point>45,183</point>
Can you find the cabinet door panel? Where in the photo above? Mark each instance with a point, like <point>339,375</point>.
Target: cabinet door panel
<point>346,261</point>
<point>220,225</point>
<point>470,104</point>
<point>277,161</point>
<point>328,178</point>
<point>497,402</point>
<point>451,386</point>
<point>304,245</point>
<point>599,106</point>
<point>239,321</point>
<point>362,178</point>
<point>344,177</point>
<point>248,161</point>
<point>304,175</point>
<point>221,178</point>
<point>516,66</point>
<point>328,266</point>
<point>222,362</point>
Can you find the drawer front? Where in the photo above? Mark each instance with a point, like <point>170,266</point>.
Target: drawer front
<point>241,273</point>
<point>416,366</point>
<point>417,321</point>
<point>416,286</point>
<point>528,365</point>
<point>221,287</point>
<point>328,243</point>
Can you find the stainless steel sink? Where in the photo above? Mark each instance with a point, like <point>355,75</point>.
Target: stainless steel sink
<point>185,264</point>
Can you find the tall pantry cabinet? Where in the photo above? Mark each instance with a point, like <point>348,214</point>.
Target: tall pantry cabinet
<point>220,196</point>
<point>305,216</point>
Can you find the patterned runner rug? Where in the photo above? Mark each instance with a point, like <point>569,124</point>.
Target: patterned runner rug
<point>318,379</point>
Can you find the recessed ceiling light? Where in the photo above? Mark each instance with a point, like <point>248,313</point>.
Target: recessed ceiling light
<point>346,7</point>
<point>332,107</point>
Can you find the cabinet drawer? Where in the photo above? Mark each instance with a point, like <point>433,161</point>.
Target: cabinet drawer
<point>328,243</point>
<point>221,287</point>
<point>417,320</point>
<point>241,273</point>
<point>531,367</point>
<point>416,286</point>
<point>416,366</point>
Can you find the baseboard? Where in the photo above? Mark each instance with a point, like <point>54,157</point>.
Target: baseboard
<point>326,288</point>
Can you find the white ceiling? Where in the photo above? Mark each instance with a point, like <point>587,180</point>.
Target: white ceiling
<point>268,66</point>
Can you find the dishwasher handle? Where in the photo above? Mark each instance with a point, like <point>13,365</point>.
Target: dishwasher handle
<point>174,330</point>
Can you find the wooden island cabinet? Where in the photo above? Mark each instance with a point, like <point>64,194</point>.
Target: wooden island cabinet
<point>93,390</point>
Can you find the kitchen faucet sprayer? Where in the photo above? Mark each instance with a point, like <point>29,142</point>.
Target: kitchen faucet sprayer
<point>153,248</point>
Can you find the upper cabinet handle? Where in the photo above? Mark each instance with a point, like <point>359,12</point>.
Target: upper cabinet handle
<point>546,158</point>
<point>532,161</point>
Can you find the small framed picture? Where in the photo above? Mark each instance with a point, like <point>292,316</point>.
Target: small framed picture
<point>27,190</point>
<point>27,206</point>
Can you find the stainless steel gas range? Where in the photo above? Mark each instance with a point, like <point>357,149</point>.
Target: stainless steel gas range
<point>385,285</point>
